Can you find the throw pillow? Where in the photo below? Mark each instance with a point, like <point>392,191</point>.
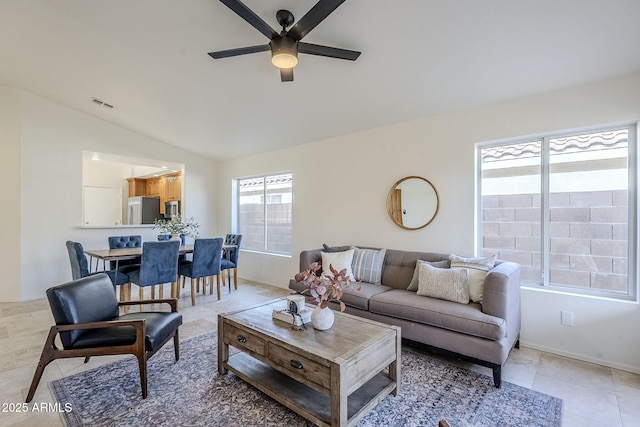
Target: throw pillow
<point>413,285</point>
<point>367,265</point>
<point>477,268</point>
<point>443,283</point>
<point>338,260</point>
<point>328,248</point>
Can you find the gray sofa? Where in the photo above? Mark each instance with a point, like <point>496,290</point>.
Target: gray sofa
<point>479,333</point>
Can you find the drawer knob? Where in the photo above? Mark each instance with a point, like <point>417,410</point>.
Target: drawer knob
<point>242,338</point>
<point>296,364</point>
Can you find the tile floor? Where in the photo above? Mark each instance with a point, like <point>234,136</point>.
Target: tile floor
<point>593,395</point>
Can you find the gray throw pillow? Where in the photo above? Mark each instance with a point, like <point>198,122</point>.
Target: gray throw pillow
<point>449,284</point>
<point>413,286</point>
<point>332,249</point>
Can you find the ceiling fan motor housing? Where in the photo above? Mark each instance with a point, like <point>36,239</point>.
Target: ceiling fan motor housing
<point>284,52</point>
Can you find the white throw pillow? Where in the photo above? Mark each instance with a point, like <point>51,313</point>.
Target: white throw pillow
<point>367,265</point>
<point>478,269</point>
<point>443,283</point>
<point>339,261</point>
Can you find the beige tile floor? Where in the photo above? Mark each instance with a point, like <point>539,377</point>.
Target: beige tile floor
<point>593,395</point>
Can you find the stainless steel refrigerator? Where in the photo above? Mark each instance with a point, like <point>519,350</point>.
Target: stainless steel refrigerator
<point>143,210</point>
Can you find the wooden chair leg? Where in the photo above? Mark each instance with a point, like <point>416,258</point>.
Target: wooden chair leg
<point>218,285</point>
<point>153,292</point>
<point>142,366</point>
<point>235,278</point>
<point>47,356</point>
<point>210,285</point>
<point>125,295</point>
<point>161,290</point>
<point>193,292</point>
<point>176,346</point>
<point>141,296</point>
<point>175,290</point>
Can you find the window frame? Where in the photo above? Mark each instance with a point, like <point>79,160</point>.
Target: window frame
<point>633,256</point>
<point>236,206</point>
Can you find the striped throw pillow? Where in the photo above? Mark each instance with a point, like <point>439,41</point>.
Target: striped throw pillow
<point>367,265</point>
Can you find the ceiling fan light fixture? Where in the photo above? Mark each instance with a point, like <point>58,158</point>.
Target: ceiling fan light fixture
<point>284,52</point>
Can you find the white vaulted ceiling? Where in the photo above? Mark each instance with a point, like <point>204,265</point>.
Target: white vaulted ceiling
<point>148,58</point>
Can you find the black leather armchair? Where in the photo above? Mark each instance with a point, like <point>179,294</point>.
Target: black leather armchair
<point>87,318</point>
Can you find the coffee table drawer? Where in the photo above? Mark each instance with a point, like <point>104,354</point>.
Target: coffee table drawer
<point>299,367</point>
<point>241,338</point>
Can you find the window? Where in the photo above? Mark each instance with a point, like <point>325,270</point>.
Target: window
<point>264,213</point>
<point>560,205</point>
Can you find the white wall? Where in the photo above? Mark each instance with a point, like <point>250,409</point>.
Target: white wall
<point>10,178</point>
<point>340,199</point>
<point>48,204</point>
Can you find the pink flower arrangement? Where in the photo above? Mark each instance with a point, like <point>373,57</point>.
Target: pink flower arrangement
<point>325,287</point>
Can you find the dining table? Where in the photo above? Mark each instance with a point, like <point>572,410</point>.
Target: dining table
<point>120,254</point>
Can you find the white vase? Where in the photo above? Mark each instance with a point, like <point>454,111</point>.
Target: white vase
<point>175,236</point>
<point>322,318</point>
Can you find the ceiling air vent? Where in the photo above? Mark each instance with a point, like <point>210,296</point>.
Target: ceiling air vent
<point>101,103</point>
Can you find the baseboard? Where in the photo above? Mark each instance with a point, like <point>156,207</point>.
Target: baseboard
<point>607,363</point>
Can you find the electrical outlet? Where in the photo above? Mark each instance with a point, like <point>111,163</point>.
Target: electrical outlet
<point>566,318</point>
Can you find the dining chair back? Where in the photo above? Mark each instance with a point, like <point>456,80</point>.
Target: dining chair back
<point>117,242</point>
<point>78,260</point>
<point>207,254</point>
<point>88,323</point>
<point>230,256</point>
<point>80,266</point>
<point>159,265</point>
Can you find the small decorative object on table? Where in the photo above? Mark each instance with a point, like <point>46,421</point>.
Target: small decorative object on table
<point>176,227</point>
<point>324,288</point>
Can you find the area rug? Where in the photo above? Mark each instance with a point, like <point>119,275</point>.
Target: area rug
<point>192,393</point>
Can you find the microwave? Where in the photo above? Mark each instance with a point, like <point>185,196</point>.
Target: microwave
<point>172,209</point>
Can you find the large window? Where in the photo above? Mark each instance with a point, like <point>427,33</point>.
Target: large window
<point>563,206</point>
<point>264,213</point>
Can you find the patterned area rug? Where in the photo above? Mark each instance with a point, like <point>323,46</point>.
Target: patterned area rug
<point>192,393</point>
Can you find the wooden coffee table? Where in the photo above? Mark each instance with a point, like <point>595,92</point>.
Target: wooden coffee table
<point>332,378</point>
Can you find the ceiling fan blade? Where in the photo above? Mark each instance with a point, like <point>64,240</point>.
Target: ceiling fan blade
<point>239,51</point>
<point>332,52</point>
<point>317,14</point>
<point>248,15</point>
<point>286,74</point>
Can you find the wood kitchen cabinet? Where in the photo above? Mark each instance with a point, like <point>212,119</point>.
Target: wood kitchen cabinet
<point>137,187</point>
<point>153,187</point>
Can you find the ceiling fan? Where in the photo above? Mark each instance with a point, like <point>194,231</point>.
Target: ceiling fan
<point>286,45</point>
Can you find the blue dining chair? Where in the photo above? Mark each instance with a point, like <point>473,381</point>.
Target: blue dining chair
<point>230,256</point>
<point>206,263</point>
<point>117,242</point>
<point>80,269</point>
<point>159,265</point>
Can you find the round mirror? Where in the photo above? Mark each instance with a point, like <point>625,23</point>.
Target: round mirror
<point>412,202</point>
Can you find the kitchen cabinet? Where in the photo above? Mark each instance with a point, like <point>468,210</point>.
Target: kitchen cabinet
<point>137,187</point>
<point>153,188</point>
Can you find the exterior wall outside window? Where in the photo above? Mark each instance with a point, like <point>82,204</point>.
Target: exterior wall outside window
<point>559,206</point>
<point>264,213</point>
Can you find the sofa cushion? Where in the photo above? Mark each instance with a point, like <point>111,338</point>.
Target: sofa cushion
<point>413,286</point>
<point>443,283</point>
<point>465,318</point>
<point>478,269</point>
<point>367,265</point>
<point>339,261</point>
<point>359,294</point>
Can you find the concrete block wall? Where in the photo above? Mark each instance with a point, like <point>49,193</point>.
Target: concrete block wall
<point>588,237</point>
<point>279,226</point>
